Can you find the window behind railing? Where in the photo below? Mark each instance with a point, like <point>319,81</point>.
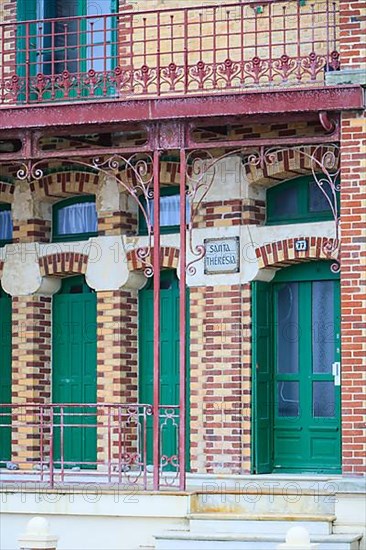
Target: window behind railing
<point>6,224</point>
<point>72,36</point>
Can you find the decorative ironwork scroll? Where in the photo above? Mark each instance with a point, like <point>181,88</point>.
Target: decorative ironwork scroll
<point>134,173</point>
<point>169,428</point>
<point>322,161</point>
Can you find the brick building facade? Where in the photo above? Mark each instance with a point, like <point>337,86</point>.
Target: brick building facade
<point>316,123</point>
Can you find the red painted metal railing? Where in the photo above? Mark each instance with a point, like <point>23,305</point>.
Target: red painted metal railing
<point>176,52</point>
<point>101,443</point>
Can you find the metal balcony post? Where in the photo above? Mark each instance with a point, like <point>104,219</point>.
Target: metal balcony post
<point>156,268</point>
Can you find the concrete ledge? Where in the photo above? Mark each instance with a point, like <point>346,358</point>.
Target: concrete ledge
<point>346,76</point>
<point>262,517</point>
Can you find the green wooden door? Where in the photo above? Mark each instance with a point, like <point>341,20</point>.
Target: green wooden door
<point>5,375</point>
<point>74,372</point>
<point>262,378</point>
<point>304,345</point>
<point>169,363</point>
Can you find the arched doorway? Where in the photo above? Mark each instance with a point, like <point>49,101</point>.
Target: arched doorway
<point>5,375</point>
<point>296,371</point>
<point>74,373</point>
<point>169,366</point>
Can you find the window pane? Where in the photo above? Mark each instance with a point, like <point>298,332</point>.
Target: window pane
<point>77,218</point>
<point>323,399</point>
<point>324,328</point>
<point>318,202</point>
<point>169,210</point>
<point>288,330</point>
<point>285,203</point>
<point>6,225</point>
<point>96,58</point>
<point>288,398</point>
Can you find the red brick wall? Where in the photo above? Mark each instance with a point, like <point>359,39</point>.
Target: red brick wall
<point>352,33</point>
<point>353,262</point>
<point>353,255</point>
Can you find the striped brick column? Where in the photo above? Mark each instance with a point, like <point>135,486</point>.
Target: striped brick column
<point>117,362</point>
<point>116,223</point>
<point>353,292</point>
<point>31,374</point>
<point>31,230</point>
<point>220,379</point>
<point>230,212</point>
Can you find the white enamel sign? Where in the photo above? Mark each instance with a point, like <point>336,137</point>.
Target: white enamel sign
<point>222,255</point>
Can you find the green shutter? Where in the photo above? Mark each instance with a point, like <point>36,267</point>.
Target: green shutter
<point>262,444</point>
<point>5,375</point>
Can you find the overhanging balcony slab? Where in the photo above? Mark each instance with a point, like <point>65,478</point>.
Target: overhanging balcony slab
<point>251,103</point>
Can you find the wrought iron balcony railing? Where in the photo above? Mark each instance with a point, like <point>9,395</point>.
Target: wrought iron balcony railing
<point>223,48</point>
<point>99,442</point>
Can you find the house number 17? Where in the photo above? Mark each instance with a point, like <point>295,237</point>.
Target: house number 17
<point>301,245</point>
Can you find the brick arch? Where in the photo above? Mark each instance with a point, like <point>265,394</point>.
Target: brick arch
<point>169,258</point>
<point>63,264</point>
<point>287,164</point>
<point>6,192</point>
<point>283,254</point>
<point>62,185</point>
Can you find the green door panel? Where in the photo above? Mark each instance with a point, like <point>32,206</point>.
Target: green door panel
<point>74,372</point>
<point>304,342</point>
<point>262,379</point>
<point>169,369</point>
<point>307,402</point>
<point>5,376</point>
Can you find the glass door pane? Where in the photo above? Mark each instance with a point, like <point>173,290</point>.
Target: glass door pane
<point>287,335</point>
<point>323,399</point>
<point>288,398</point>
<point>288,331</point>
<point>324,329</point>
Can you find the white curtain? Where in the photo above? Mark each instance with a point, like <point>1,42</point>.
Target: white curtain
<point>169,210</point>
<point>6,225</point>
<point>78,218</point>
